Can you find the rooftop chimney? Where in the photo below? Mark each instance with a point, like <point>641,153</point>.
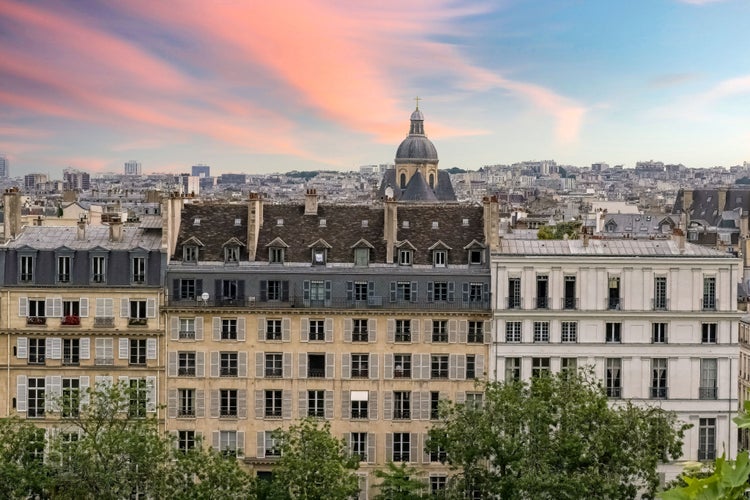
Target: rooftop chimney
<point>390,227</point>
<point>12,220</point>
<point>491,216</point>
<point>115,230</point>
<point>81,232</point>
<point>679,236</point>
<point>311,202</point>
<point>254,223</point>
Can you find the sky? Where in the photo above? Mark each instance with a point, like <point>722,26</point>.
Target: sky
<point>260,86</point>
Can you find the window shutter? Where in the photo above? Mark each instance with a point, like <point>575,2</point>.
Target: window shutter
<point>240,443</point>
<point>414,329</point>
<point>172,364</point>
<point>388,405</point>
<point>53,392</point>
<point>260,359</point>
<point>214,363</point>
<point>452,367</point>
<point>200,364</point>
<point>328,292</point>
<point>55,348</point>
<point>286,329</point>
<point>306,291</point>
<point>242,364</point>
<point>217,328</point>
<point>304,329</point>
<point>461,366</point>
<point>124,308</point>
<point>426,366</point>
<point>348,328</point>
<point>216,443</point>
<point>302,365</point>
<point>54,310</point>
<point>241,329</point>
<point>463,328</point>
<point>83,306</point>
<point>416,366</point>
<point>427,331</point>
<point>151,392</point>
<point>23,307</point>
<point>302,404</point>
<point>330,365</point>
<point>371,448</point>
<point>214,403</point>
<point>329,405</point>
<point>85,346</point>
<point>416,405</point>
<point>346,367</point>
<point>393,291</point>
<point>452,331</point>
<point>287,365</point>
<point>389,446</point>
<point>151,349</point>
<point>200,403</point>
<point>329,329</point>
<point>150,308</point>
<point>83,384</point>
<point>460,397</point>
<point>372,403</point>
<point>430,291</point>
<point>451,291</point>
<point>479,365</point>
<point>174,328</point>
<point>286,404</point>
<point>391,330</point>
<point>241,406</point>
<point>22,347</point>
<point>372,330</point>
<point>261,329</point>
<point>425,410</point>
<point>263,290</point>
<point>345,405</point>
<point>199,328</point>
<point>487,331</point>
<point>21,393</point>
<point>260,444</point>
<point>465,292</point>
<point>349,290</point>
<point>122,352</point>
<point>414,291</point>
<point>388,366</point>
<point>259,404</point>
<point>373,366</point>
<point>414,449</point>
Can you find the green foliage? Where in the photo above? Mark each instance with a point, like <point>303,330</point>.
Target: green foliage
<point>22,470</point>
<point>400,483</point>
<point>559,231</point>
<point>306,175</point>
<point>313,464</point>
<point>456,170</point>
<point>555,438</point>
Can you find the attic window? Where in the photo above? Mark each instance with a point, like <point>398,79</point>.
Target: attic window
<point>231,254</point>
<point>365,223</point>
<point>319,256</point>
<point>465,222</point>
<point>237,222</point>
<point>405,224</point>
<point>322,223</point>
<point>435,224</point>
<point>279,222</point>
<point>197,221</point>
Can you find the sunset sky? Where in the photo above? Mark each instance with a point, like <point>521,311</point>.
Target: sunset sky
<point>270,86</point>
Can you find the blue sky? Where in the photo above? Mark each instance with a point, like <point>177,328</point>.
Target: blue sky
<point>256,88</point>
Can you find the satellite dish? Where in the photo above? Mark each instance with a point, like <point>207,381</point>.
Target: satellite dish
<point>389,192</point>
<point>204,296</point>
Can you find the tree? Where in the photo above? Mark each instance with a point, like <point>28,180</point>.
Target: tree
<point>559,231</point>
<point>313,464</point>
<point>22,469</point>
<point>400,483</point>
<point>557,437</point>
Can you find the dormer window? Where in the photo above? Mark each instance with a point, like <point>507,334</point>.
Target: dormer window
<point>475,256</point>
<point>465,222</point>
<point>319,256</point>
<point>405,257</point>
<point>197,221</point>
<point>322,223</point>
<point>361,256</point>
<point>439,258</point>
<point>231,254</point>
<point>190,253</point>
<point>27,269</point>
<point>276,255</point>
<point>435,225</point>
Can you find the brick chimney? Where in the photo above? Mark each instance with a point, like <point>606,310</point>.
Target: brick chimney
<point>115,230</point>
<point>254,223</point>
<point>311,202</point>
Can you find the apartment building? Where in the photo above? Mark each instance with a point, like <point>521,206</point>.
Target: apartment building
<point>656,318</point>
<point>366,317</point>
<point>80,307</point>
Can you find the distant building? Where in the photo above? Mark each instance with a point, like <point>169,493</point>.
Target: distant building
<point>232,179</point>
<point>76,180</point>
<point>201,170</point>
<point>132,167</point>
<point>31,181</point>
<point>4,166</point>
<point>190,184</point>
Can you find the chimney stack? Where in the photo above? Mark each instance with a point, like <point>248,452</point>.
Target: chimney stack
<point>491,216</point>
<point>254,223</point>
<point>390,227</point>
<point>81,232</point>
<point>12,220</point>
<point>311,202</point>
<point>679,236</point>
<point>115,230</point>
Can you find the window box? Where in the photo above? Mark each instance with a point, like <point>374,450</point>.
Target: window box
<point>36,320</point>
<point>137,322</point>
<point>71,320</point>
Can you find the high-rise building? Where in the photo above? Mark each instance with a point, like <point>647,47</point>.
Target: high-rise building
<point>76,180</point>
<point>31,181</point>
<point>4,166</point>
<point>201,171</point>
<point>132,167</point>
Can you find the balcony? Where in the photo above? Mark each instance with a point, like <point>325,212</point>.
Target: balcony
<point>186,413</point>
<point>614,392</point>
<point>187,335</point>
<point>709,304</point>
<point>36,320</point>
<point>515,302</point>
<point>137,322</point>
<point>104,322</point>
<point>273,373</point>
<point>228,371</point>
<point>707,393</point>
<point>658,393</point>
<point>71,321</point>
<point>542,302</point>
<point>228,413</point>
<point>660,304</point>
<point>359,414</point>
<point>361,373</point>
<point>614,303</point>
<point>439,373</point>
<point>402,373</point>
<point>273,414</point>
<point>569,303</point>
<point>316,373</point>
<point>186,371</point>
<point>401,414</point>
<point>316,412</point>
<point>139,278</point>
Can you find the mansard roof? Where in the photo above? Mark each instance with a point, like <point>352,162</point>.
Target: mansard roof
<point>96,237</point>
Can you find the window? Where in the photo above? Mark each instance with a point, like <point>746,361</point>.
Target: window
<point>437,486</point>
<point>186,403</point>
<point>542,292</point>
<point>275,290</point>
<point>228,403</point>
<point>98,269</point>
<point>513,331</point>
<point>63,269</point>
<point>187,328</point>
<point>401,405</point>
<point>708,333</point>
<point>273,404</point>
<point>359,404</point>
<point>514,293</point>
<point>512,369</point>
<point>138,312</point>
<point>440,330</point>
<point>316,329</point>
<point>186,364</point>
<point>359,330</point>
<point>360,291</point>
<point>659,378</point>
<point>707,389</point>
<point>660,293</point>
<point>474,400</point>
<point>185,440</point>
<point>541,331</point>
<point>228,445</point>
<point>274,366</point>
<point>316,404</point>
<point>271,446</point>
<point>188,289</point>
<point>71,397</point>
<point>613,293</point>
<point>439,258</point>
<point>471,367</point>
<point>614,377</point>
<point>709,293</point>
<point>360,365</point>
<point>104,352</point>
<point>439,366</point>
<point>137,351</point>
<point>231,254</point>
<point>404,291</point>
<point>361,256</point>
<point>440,291</point>
<point>569,292</point>
<point>404,257</point>
<point>612,332</point>
<point>403,330</point>
<point>659,333</point>
<point>37,351</point>
<point>707,439</point>
<point>319,256</point>
<point>401,447</point>
<point>35,400</point>
<point>316,365</point>
<point>539,367</point>
<point>138,270</point>
<point>276,255</point>
<point>228,364</point>
<point>229,329</point>
<point>190,253</point>
<point>229,291</point>
<point>359,445</point>
<point>569,331</point>
<point>138,395</point>
<point>438,455</point>
<point>71,312</point>
<point>36,308</point>
<point>475,256</point>
<point>71,352</point>
<point>317,291</point>
<point>568,365</point>
<point>476,332</point>
<point>27,269</point>
<point>402,365</point>
<point>476,292</point>
<point>434,405</point>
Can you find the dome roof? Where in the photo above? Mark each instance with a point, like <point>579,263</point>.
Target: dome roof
<point>416,147</point>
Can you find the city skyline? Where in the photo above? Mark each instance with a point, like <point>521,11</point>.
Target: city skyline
<point>303,85</point>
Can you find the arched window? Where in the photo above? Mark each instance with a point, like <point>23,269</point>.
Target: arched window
<point>432,181</point>
<point>403,180</point>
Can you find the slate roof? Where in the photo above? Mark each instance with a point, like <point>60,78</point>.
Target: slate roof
<point>638,226</point>
<point>216,225</point>
<point>444,191</point>
<point>417,190</point>
<point>705,205</point>
<point>54,237</point>
<point>609,248</point>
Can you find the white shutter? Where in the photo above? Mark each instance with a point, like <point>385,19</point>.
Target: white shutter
<point>259,404</point>
<point>55,348</point>
<point>463,329</point>
<point>261,329</point>
<point>329,329</point>
<point>388,405</point>
<point>200,403</point>
<point>56,308</point>
<point>199,328</point>
<point>452,331</point>
<point>242,364</point>
<point>302,404</point>
<point>241,443</point>
<point>151,393</point>
<point>372,330</point>
<point>21,392</point>
<point>241,406</point>
<point>150,308</point>
<point>151,349</point>
<point>426,366</point>
<point>479,365</point>
<point>286,329</point>
<point>172,364</point>
<point>304,329</point>
<point>214,363</point>
<point>122,352</point>
<point>124,308</point>
<point>348,328</point>
<point>174,328</point>
<point>83,384</point>
<point>85,345</point>
<point>391,330</point>
<point>416,366</point>
<point>287,365</point>
<point>372,403</point>
<point>214,403</point>
<point>329,405</point>
<point>302,365</point>
<point>487,332</point>
<point>427,331</point>
<point>345,405</point>
<point>83,306</point>
<point>260,444</point>
<point>217,328</point>
<point>52,392</point>
<point>373,366</point>
<point>22,347</point>
<point>260,359</point>
<point>371,448</point>
<point>330,365</point>
<point>200,364</point>
<point>172,403</point>
<point>388,366</point>
<point>346,366</point>
<point>414,329</point>
<point>286,404</point>
<point>23,307</point>
<point>461,366</point>
<point>241,329</point>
